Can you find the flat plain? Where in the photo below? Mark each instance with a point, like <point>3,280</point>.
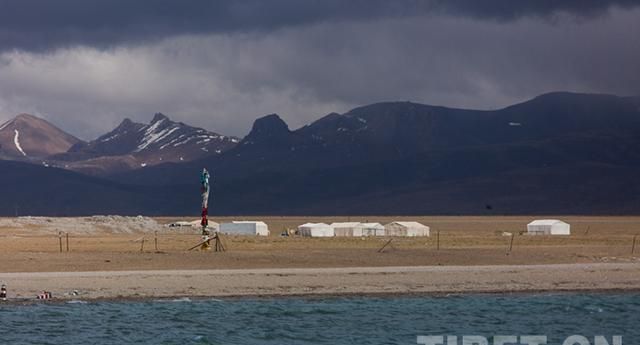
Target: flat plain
<point>463,254</point>
<point>462,241</point>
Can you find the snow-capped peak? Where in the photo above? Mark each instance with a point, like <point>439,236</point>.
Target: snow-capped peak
<point>153,134</point>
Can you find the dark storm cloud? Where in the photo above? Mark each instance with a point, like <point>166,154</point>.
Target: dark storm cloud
<point>220,64</point>
<point>36,25</point>
<point>514,9</point>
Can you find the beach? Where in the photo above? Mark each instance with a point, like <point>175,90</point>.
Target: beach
<point>327,281</point>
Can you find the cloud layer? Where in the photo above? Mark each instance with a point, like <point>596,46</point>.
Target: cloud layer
<point>220,64</point>
<point>37,25</point>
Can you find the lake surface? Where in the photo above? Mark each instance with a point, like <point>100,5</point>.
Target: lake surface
<point>354,320</point>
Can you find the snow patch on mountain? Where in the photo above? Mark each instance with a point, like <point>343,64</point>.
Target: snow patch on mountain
<point>172,141</point>
<point>151,136</point>
<point>183,142</point>
<point>16,141</point>
<point>111,137</point>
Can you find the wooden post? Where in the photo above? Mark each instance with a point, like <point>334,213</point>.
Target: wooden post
<point>60,240</point>
<point>633,245</point>
<point>155,240</point>
<point>438,240</point>
<point>219,246</point>
<point>385,245</point>
<point>67,242</point>
<point>511,243</point>
<point>142,245</point>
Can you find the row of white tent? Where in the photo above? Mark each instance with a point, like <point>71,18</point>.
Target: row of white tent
<point>412,229</point>
<point>357,229</point>
<point>346,229</point>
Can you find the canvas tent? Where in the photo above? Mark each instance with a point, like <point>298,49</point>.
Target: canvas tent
<point>347,229</point>
<point>410,229</point>
<point>373,229</point>
<point>315,230</point>
<point>253,228</point>
<point>548,227</point>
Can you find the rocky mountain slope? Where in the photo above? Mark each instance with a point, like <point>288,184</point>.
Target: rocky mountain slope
<point>134,145</point>
<point>27,138</point>
<point>557,153</point>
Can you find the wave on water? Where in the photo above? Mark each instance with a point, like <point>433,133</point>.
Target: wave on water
<point>174,300</point>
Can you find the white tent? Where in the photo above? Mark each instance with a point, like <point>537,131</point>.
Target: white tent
<point>373,229</point>
<point>409,229</point>
<point>347,229</point>
<point>548,227</point>
<point>245,228</point>
<point>316,230</point>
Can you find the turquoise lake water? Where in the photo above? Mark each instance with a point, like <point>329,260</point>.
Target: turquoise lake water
<point>354,320</point>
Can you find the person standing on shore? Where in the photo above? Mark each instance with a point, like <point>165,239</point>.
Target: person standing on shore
<point>3,292</point>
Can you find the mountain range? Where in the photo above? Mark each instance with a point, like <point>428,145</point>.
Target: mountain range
<point>129,146</point>
<point>555,154</point>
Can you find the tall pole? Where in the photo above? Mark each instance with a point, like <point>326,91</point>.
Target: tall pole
<point>204,190</point>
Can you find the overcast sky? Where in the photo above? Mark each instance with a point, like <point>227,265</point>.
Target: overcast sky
<point>87,64</point>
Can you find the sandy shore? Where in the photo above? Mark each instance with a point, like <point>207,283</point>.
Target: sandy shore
<point>325,281</point>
